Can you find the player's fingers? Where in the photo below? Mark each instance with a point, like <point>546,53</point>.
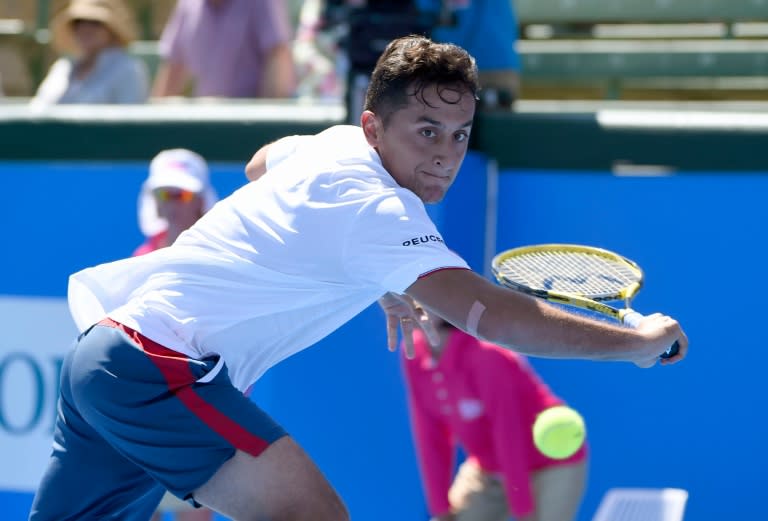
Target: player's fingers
<point>392,324</point>
<point>431,332</point>
<point>406,325</point>
<point>679,339</point>
<point>682,350</point>
<point>427,325</point>
<point>668,333</point>
<point>410,351</point>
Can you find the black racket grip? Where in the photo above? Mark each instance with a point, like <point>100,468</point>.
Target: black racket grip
<point>672,351</point>
<point>632,319</point>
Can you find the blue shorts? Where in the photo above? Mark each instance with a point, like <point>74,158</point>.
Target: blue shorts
<point>134,419</point>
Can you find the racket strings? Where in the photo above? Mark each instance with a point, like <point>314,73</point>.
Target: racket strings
<point>581,273</point>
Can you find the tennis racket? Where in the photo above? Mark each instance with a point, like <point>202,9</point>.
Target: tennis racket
<point>581,276</point>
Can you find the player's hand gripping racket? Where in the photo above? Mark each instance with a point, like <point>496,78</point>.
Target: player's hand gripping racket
<point>580,276</point>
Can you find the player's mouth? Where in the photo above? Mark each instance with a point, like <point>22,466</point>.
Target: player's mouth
<point>438,176</point>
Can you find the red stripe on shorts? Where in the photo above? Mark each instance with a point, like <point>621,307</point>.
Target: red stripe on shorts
<point>175,368</point>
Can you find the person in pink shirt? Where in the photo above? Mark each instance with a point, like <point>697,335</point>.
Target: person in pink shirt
<point>227,49</point>
<point>484,398</point>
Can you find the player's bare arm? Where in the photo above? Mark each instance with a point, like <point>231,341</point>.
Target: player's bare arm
<point>271,155</point>
<point>257,166</point>
<point>536,328</point>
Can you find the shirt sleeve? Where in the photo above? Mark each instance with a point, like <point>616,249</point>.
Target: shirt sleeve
<point>434,446</point>
<point>502,385</point>
<point>393,242</point>
<point>283,148</point>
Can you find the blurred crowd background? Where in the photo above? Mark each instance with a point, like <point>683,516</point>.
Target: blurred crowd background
<point>560,49</point>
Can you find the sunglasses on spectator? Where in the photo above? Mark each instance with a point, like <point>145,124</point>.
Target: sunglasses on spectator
<point>174,194</point>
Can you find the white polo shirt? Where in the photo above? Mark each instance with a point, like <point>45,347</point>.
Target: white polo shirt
<point>279,264</point>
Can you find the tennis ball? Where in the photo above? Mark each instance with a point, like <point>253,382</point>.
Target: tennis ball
<point>559,432</point>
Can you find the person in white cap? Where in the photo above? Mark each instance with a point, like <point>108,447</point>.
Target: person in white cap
<point>176,194</point>
<point>95,66</point>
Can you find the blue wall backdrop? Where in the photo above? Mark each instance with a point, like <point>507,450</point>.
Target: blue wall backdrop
<point>343,399</point>
<point>698,425</point>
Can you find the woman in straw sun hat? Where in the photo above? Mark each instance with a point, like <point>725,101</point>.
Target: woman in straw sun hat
<point>92,36</point>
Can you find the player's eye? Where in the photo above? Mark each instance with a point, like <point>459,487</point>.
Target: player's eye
<point>428,132</point>
<point>461,136</point>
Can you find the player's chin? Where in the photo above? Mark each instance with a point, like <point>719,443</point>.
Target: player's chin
<point>432,194</point>
<point>433,199</point>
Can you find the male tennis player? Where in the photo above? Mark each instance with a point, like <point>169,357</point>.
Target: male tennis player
<point>152,394</point>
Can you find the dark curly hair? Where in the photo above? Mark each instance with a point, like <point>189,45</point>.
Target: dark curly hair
<point>410,64</point>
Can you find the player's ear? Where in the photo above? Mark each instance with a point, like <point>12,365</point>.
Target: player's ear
<point>371,128</point>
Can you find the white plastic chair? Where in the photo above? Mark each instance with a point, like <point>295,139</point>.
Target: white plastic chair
<point>642,504</point>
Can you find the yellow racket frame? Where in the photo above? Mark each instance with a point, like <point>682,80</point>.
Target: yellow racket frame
<point>589,302</point>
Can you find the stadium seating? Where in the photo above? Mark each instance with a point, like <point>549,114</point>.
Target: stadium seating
<point>635,49</point>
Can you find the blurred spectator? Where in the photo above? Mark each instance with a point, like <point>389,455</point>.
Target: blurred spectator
<point>369,25</point>
<point>227,48</point>
<point>96,68</point>
<point>488,30</point>
<point>316,55</point>
<point>176,194</point>
<point>485,398</point>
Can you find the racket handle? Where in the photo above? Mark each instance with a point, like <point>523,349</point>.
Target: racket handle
<point>633,318</point>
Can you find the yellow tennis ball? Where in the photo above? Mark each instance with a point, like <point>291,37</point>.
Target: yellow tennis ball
<point>559,432</point>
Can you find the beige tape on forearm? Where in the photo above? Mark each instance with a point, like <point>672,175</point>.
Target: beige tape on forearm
<point>473,317</point>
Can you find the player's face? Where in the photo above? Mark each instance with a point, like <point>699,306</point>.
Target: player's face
<point>423,144</point>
